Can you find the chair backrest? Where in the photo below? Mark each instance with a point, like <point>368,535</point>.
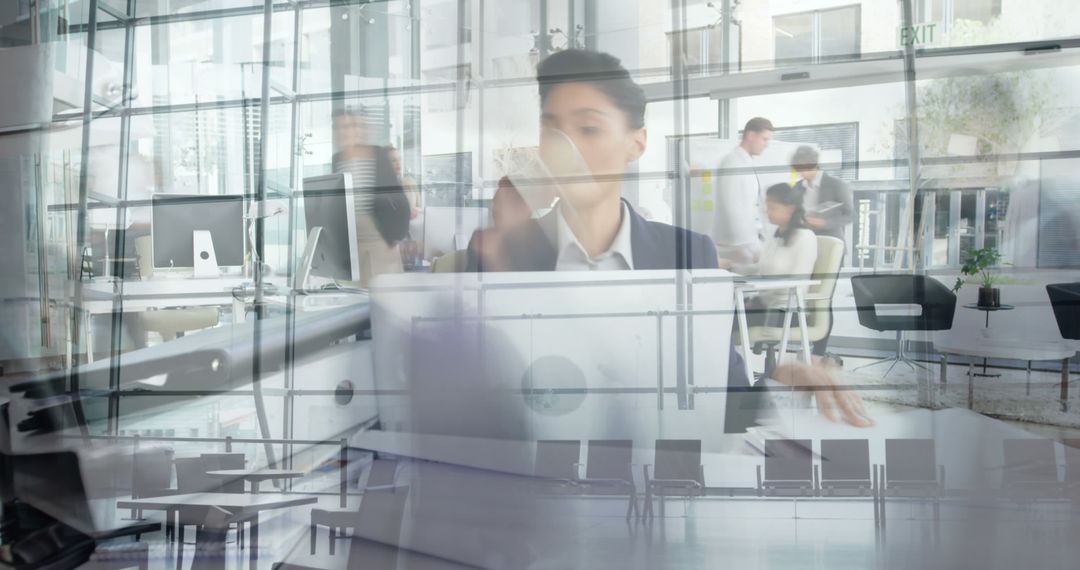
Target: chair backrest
<point>1029,461</point>
<point>144,256</point>
<point>191,475</point>
<point>226,460</point>
<point>789,460</point>
<point>151,471</point>
<point>379,516</point>
<point>452,262</point>
<point>377,533</point>
<point>1072,460</point>
<point>610,459</point>
<point>910,460</point>
<point>1065,300</point>
<point>845,460</point>
<point>382,473</point>
<point>678,459</point>
<point>936,301</point>
<point>221,461</point>
<point>830,254</point>
<point>557,458</point>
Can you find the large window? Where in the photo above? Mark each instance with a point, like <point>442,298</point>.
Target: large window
<point>818,35</point>
<point>948,11</point>
<point>704,47</point>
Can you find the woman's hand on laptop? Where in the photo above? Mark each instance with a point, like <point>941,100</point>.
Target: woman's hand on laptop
<point>834,400</point>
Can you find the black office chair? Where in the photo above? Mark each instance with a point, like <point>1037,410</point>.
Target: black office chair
<point>873,292</point>
<point>1065,300</point>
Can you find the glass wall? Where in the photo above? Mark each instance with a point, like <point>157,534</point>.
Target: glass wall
<point>196,99</point>
<point>223,203</point>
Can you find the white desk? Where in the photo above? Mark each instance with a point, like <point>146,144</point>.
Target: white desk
<point>100,297</point>
<point>987,346</point>
<point>796,304</point>
<point>239,506</point>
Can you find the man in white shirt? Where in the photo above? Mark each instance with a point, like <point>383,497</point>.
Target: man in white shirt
<point>738,220</point>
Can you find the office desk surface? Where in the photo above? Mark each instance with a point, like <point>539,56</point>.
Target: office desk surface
<point>750,284</point>
<point>254,475</point>
<point>99,296</point>
<point>244,507</point>
<point>228,501</point>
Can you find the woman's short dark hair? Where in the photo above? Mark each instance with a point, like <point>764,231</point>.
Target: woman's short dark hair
<point>600,70</point>
<point>805,158</point>
<point>788,195</point>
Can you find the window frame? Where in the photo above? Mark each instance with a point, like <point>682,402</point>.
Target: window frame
<point>815,33</point>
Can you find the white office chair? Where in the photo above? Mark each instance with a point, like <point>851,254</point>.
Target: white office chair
<point>170,323</point>
<point>830,254</point>
<point>452,262</point>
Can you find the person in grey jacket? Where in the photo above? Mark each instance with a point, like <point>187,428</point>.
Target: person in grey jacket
<point>821,190</point>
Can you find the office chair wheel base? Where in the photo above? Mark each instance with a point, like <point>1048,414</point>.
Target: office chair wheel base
<point>912,364</point>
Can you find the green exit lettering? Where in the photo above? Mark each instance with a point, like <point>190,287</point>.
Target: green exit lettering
<point>917,35</point>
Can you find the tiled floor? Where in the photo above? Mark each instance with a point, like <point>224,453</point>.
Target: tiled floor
<point>713,533</point>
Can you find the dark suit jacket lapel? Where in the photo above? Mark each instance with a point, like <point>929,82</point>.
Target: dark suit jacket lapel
<point>535,247</point>
<point>642,242</point>
<point>543,239</point>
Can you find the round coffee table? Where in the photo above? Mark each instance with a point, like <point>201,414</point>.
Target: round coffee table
<point>988,310</point>
<point>990,347</point>
<point>256,477</point>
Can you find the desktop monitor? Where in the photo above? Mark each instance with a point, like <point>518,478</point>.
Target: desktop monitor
<point>176,218</point>
<point>330,215</point>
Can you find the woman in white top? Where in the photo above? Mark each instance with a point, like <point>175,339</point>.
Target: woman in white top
<point>790,252</point>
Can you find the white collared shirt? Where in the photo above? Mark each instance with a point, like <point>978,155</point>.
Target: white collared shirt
<point>572,255</point>
<point>738,217</point>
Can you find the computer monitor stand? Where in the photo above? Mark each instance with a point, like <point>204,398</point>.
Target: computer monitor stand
<point>304,270</point>
<point>205,266</point>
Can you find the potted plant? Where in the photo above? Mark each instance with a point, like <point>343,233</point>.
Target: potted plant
<point>981,264</point>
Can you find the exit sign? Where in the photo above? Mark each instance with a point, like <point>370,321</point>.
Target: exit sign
<point>918,35</point>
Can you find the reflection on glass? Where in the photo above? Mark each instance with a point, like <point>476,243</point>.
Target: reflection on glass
<point>210,60</point>
<point>794,36</point>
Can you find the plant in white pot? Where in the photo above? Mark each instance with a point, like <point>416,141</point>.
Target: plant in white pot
<point>982,265</point>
